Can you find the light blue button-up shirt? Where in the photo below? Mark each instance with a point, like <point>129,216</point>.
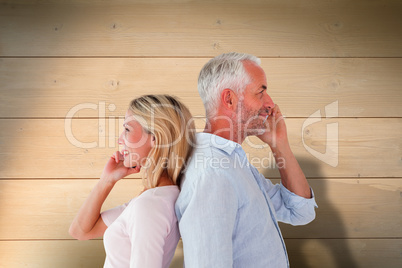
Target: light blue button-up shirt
<point>228,212</point>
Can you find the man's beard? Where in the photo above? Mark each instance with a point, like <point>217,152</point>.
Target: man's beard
<point>250,122</point>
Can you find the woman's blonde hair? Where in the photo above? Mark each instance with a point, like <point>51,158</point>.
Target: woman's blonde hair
<point>171,124</point>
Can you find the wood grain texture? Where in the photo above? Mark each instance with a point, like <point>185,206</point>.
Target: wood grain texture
<point>202,28</point>
<point>334,67</point>
<point>54,87</point>
<point>44,209</point>
<point>47,254</point>
<point>353,208</point>
<point>56,148</point>
<point>303,253</point>
<point>335,253</point>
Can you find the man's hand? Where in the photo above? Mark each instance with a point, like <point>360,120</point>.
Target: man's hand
<point>292,176</point>
<point>275,133</point>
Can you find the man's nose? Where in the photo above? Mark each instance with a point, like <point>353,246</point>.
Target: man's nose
<point>268,102</point>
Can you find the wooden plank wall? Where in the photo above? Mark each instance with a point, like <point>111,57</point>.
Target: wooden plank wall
<point>69,68</point>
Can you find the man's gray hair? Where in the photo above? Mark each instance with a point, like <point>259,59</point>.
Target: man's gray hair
<point>223,71</point>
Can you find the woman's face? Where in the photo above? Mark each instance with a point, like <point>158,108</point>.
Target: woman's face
<point>135,141</point>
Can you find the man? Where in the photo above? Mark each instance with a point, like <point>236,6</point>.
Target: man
<point>228,212</point>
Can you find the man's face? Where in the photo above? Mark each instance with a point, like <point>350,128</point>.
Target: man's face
<point>254,105</point>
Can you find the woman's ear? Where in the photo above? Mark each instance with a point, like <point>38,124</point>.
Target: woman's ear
<point>153,140</point>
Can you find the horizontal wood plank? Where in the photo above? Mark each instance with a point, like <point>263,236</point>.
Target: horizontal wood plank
<point>104,87</point>
<point>335,253</point>
<point>57,148</point>
<point>303,253</point>
<point>353,208</point>
<point>337,147</point>
<point>348,208</point>
<point>202,28</point>
<point>47,254</point>
<point>44,209</point>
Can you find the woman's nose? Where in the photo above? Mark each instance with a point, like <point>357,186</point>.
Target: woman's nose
<point>121,139</point>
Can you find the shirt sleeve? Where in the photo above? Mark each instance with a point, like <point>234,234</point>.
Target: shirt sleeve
<point>289,207</point>
<point>148,227</point>
<point>207,218</point>
<point>109,216</point>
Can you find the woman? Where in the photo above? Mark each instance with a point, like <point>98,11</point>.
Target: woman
<point>158,137</point>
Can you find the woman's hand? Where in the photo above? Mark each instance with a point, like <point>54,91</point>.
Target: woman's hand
<point>88,223</point>
<point>115,170</point>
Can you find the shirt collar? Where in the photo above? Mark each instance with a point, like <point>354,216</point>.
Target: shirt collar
<point>211,140</point>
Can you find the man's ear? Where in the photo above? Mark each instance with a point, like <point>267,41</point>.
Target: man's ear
<point>229,99</point>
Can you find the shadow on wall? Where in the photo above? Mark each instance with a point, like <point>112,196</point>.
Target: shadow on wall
<point>322,239</point>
